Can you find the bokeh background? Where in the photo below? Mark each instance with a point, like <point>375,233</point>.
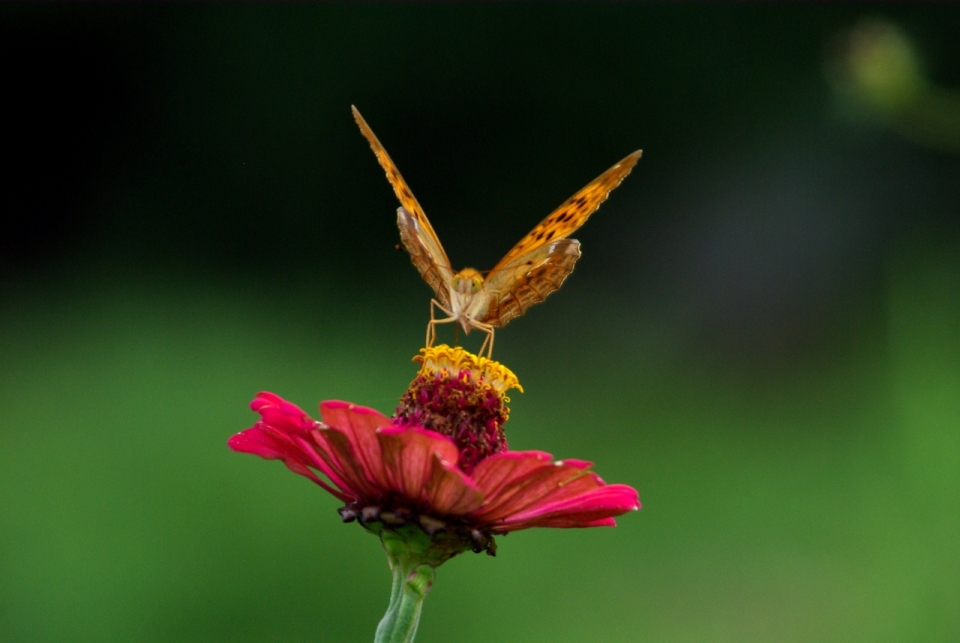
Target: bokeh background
<point>763,335</point>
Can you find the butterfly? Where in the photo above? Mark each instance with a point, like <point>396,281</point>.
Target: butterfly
<point>533,268</point>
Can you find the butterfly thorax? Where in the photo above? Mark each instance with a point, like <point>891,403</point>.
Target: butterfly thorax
<point>468,301</point>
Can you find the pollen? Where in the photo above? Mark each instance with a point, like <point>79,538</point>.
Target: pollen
<point>457,362</point>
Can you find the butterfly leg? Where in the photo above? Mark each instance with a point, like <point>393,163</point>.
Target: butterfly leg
<point>488,342</point>
<point>432,325</point>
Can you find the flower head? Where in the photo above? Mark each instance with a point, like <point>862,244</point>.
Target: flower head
<point>440,467</point>
<point>463,397</point>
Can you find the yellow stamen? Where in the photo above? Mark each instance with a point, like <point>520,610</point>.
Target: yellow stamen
<point>449,361</point>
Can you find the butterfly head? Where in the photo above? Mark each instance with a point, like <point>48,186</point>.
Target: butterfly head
<point>467,282</point>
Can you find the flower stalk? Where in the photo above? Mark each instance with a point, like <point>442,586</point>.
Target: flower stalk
<point>412,579</point>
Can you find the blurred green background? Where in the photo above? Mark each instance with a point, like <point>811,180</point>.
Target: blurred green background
<point>763,335</point>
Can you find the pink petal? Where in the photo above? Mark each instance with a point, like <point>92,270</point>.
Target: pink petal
<point>282,415</point>
<point>318,448</point>
<point>494,473</point>
<point>528,483</point>
<point>365,457</point>
<point>421,466</point>
<point>407,455</point>
<point>593,508</point>
<point>449,491</point>
<point>524,489</point>
<point>359,424</point>
<point>340,456</point>
<point>285,444</point>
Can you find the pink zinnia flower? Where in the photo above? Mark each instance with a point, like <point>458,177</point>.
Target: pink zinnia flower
<point>440,465</point>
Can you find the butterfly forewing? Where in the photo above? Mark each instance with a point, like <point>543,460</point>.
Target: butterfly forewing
<point>539,263</point>
<point>573,212</point>
<point>402,191</point>
<point>528,279</point>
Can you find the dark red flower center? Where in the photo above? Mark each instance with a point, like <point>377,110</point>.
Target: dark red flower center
<point>462,408</point>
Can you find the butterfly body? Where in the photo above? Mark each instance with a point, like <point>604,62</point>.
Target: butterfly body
<point>533,268</point>
<point>468,301</point>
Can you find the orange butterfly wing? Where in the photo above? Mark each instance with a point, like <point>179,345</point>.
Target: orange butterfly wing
<point>540,262</point>
<point>426,254</point>
<point>528,280</point>
<point>573,212</point>
<point>416,233</point>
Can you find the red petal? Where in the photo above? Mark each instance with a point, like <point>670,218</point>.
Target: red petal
<point>282,415</point>
<point>449,491</point>
<point>591,509</point>
<point>340,456</point>
<point>284,440</point>
<point>531,480</point>
<point>359,424</point>
<point>524,489</point>
<point>494,473</point>
<point>407,454</point>
<point>421,465</point>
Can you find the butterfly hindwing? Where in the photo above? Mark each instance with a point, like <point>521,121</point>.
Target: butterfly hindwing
<point>573,212</point>
<point>528,279</point>
<point>427,255</point>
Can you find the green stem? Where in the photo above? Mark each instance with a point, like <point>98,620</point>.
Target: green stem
<point>411,582</point>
